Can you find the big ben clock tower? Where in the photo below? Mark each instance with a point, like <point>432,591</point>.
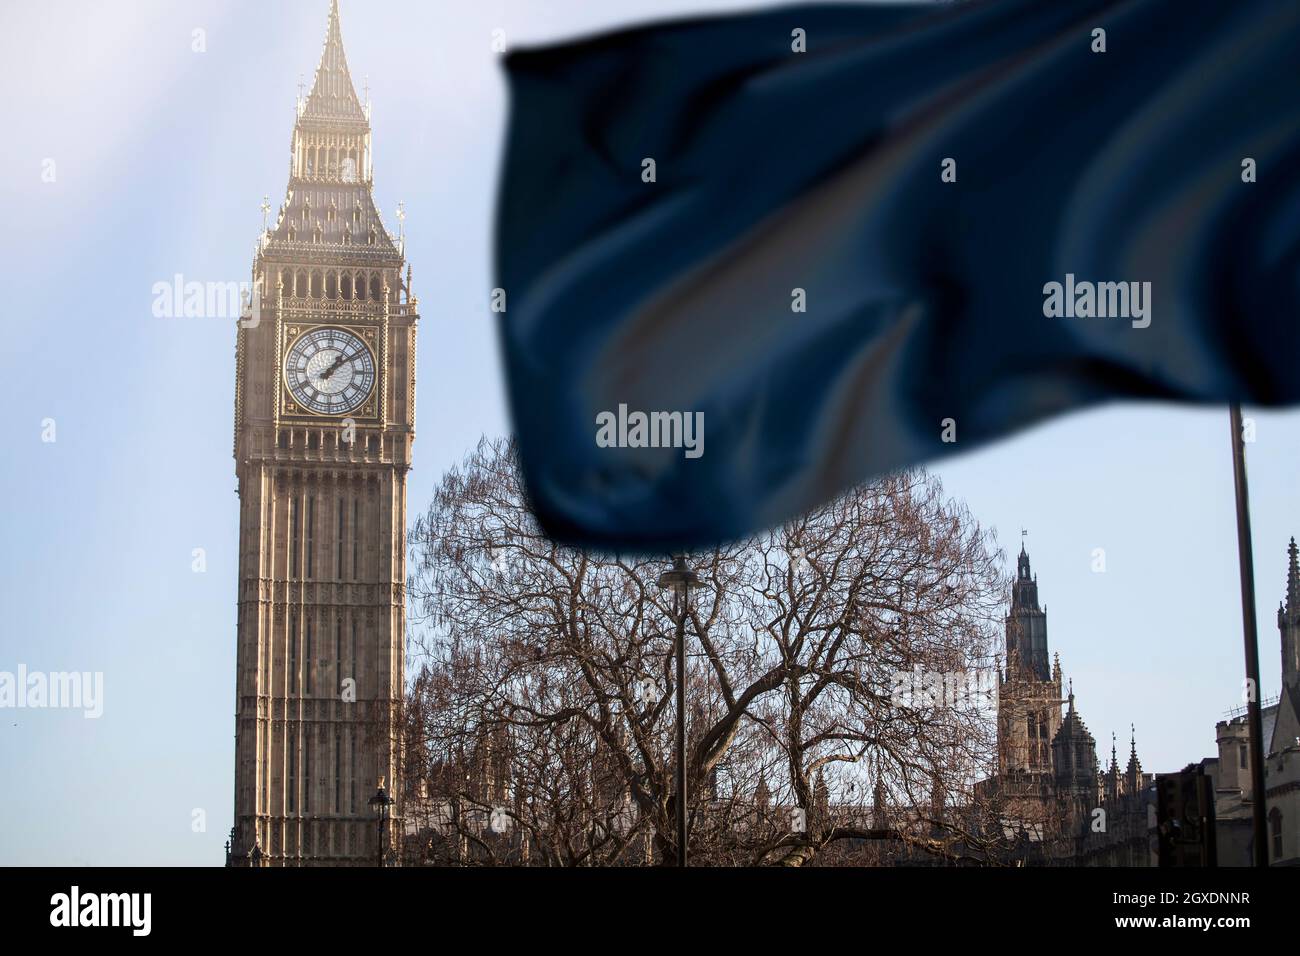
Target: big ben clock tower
<point>324,423</point>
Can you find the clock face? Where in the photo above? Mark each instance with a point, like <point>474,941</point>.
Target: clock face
<point>330,371</point>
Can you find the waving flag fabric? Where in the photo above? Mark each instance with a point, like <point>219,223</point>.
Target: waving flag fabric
<point>746,262</point>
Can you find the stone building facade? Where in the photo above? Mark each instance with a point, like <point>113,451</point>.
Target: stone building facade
<point>1056,804</point>
<point>1069,812</point>
<point>1051,799</point>
<point>1230,769</point>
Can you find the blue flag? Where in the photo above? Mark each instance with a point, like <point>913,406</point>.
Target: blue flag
<point>747,262</point>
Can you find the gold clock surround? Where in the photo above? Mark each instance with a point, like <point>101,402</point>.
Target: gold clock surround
<point>291,407</point>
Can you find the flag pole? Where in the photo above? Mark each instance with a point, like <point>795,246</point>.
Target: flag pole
<point>1246,559</point>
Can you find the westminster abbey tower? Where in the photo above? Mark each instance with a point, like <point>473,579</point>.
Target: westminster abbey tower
<point>324,424</point>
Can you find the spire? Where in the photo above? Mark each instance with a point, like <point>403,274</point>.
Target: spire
<point>1074,751</point>
<point>1288,621</point>
<point>1134,771</point>
<point>330,203</point>
<point>1293,580</point>
<point>332,95</point>
<point>1026,622</point>
<point>1073,728</point>
<point>1112,772</point>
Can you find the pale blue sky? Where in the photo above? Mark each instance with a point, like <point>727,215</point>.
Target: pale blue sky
<point>162,156</point>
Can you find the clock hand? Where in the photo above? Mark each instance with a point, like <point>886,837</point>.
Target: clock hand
<point>333,368</point>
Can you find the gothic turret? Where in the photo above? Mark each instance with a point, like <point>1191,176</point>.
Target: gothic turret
<point>1074,752</point>
<point>1074,769</point>
<point>1133,774</point>
<point>1029,708</point>
<point>1049,774</point>
<point>1288,621</point>
<point>1112,773</point>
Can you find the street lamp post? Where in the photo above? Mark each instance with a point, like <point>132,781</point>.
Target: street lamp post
<point>1246,562</point>
<point>381,801</point>
<point>680,579</point>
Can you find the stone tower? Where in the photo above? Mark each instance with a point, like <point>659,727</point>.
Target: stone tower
<point>324,424</point>
<point>1029,712</point>
<point>1029,699</point>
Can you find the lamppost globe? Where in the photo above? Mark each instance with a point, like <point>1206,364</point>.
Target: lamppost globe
<point>680,579</point>
<point>381,801</point>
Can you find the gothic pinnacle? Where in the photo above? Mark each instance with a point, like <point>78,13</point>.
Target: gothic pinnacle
<point>1134,765</point>
<point>1293,579</point>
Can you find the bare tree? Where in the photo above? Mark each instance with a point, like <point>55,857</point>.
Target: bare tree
<point>545,697</point>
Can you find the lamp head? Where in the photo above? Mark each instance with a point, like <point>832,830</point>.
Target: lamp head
<point>680,578</point>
